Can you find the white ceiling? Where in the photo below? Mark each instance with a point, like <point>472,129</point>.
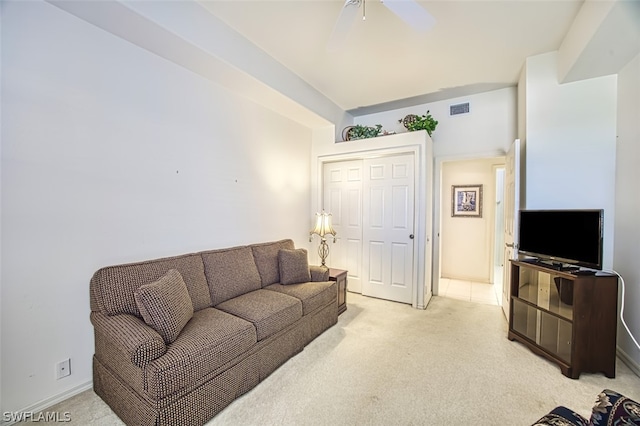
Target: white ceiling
<point>474,46</point>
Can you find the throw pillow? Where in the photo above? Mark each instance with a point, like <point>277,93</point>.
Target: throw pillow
<point>165,305</point>
<point>294,266</point>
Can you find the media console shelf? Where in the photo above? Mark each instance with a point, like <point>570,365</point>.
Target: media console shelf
<point>568,318</point>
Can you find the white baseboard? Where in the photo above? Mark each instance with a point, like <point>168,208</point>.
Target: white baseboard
<point>630,362</point>
<point>53,400</point>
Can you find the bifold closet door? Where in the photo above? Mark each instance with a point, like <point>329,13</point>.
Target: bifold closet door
<point>342,197</point>
<point>373,207</point>
<point>388,227</point>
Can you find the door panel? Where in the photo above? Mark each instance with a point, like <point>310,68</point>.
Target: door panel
<point>399,253</point>
<point>335,202</point>
<point>354,208</point>
<point>375,206</point>
<point>512,207</point>
<point>400,203</point>
<point>342,197</point>
<point>353,261</point>
<point>376,256</point>
<point>388,224</point>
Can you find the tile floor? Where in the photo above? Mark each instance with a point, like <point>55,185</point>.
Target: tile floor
<point>468,290</point>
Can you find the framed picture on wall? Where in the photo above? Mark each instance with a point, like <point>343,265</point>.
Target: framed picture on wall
<point>466,200</point>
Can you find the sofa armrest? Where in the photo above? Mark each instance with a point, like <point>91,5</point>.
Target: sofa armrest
<point>319,273</point>
<point>130,335</point>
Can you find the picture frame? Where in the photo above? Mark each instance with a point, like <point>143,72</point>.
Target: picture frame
<point>466,200</point>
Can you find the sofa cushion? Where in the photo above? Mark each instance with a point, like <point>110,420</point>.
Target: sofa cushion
<point>165,305</point>
<point>313,295</point>
<point>294,266</point>
<point>269,311</point>
<point>230,273</point>
<point>112,287</point>
<point>266,258</point>
<point>210,340</point>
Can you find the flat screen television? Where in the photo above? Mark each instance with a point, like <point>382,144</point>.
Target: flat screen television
<point>562,236</point>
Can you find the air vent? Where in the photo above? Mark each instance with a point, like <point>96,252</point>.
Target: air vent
<point>459,109</point>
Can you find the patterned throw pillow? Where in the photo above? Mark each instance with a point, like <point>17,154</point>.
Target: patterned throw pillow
<point>266,258</point>
<point>294,266</point>
<point>165,305</point>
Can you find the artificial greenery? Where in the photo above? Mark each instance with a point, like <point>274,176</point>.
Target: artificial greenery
<point>363,132</point>
<point>422,122</point>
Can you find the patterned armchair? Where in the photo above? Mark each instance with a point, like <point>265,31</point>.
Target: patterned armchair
<point>611,408</point>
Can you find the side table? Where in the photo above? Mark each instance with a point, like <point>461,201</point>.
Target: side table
<point>340,276</point>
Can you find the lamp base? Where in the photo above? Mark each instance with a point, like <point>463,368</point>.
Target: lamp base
<point>323,251</point>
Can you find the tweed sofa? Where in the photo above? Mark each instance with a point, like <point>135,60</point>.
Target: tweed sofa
<point>178,339</point>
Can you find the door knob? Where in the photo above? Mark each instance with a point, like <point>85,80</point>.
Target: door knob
<point>411,236</point>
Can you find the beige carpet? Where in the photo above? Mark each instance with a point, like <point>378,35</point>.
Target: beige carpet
<point>388,364</point>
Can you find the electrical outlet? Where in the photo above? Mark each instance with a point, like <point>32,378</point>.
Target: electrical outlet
<point>63,368</point>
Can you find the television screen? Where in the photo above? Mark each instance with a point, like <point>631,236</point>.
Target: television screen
<point>563,236</point>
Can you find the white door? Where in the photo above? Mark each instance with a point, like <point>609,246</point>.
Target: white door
<point>388,228</point>
<point>511,209</point>
<point>342,195</point>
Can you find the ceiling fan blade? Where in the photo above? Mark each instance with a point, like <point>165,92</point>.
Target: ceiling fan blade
<point>343,24</point>
<point>412,13</point>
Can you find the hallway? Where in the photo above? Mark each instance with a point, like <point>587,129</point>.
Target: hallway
<point>468,290</point>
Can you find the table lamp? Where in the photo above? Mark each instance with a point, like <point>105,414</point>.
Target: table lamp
<point>322,228</point>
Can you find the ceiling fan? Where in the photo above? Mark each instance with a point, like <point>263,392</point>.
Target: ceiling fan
<point>408,10</point>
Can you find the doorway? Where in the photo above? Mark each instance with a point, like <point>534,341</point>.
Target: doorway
<point>469,264</point>
<point>498,246</point>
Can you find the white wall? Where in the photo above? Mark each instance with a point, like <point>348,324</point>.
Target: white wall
<point>570,143</point>
<point>489,127</point>
<point>467,242</point>
<point>487,131</point>
<point>604,36</point>
<point>185,33</point>
<point>111,154</point>
<point>572,149</point>
<point>627,203</point>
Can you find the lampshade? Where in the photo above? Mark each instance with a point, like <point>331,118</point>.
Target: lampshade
<point>323,225</point>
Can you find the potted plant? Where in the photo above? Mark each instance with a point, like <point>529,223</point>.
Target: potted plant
<point>420,122</point>
<point>361,132</point>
